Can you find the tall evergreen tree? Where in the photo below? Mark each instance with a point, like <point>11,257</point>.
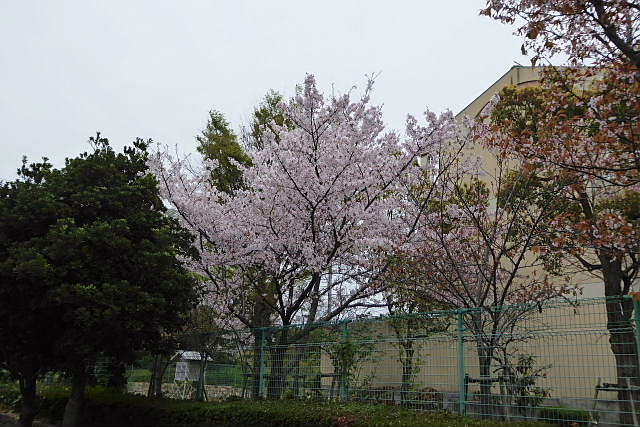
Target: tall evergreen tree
<point>220,144</point>
<point>88,254</point>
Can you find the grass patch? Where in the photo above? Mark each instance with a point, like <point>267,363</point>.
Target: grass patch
<point>139,375</point>
<point>229,375</point>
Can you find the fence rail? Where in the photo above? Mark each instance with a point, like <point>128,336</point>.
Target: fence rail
<point>549,361</point>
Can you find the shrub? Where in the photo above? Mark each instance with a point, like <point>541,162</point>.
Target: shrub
<point>9,396</point>
<point>564,417</point>
<point>105,408</point>
<point>427,398</point>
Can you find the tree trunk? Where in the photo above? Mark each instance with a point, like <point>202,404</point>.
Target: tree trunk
<point>622,338</point>
<point>257,345</point>
<point>201,394</point>
<point>626,369</point>
<point>407,372</point>
<point>28,396</point>
<point>260,318</point>
<point>278,353</point>
<point>485,355</point>
<point>73,409</point>
<point>160,364</point>
<point>117,379</point>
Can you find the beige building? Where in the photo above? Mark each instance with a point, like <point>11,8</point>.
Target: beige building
<point>519,76</point>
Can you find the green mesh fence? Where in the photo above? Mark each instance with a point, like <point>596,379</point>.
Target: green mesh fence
<point>570,362</point>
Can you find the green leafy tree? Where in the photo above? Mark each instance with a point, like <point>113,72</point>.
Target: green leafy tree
<point>104,258</point>
<point>267,118</point>
<point>220,144</point>
<point>29,328</point>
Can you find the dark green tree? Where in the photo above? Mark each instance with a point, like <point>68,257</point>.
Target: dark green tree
<point>29,328</point>
<point>102,256</point>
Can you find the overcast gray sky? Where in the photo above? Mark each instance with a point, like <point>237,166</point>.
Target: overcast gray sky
<point>154,69</point>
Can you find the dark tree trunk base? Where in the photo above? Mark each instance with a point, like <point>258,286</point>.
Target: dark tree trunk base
<point>73,409</point>
<point>28,408</point>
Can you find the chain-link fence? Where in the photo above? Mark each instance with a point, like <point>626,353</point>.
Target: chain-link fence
<point>571,360</point>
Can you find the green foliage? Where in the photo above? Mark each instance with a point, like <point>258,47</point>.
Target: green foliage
<point>88,254</point>
<point>519,186</point>
<point>520,110</point>
<point>28,210</point>
<point>627,204</point>
<point>522,380</point>
<point>9,396</point>
<point>266,119</point>
<point>349,350</point>
<point>348,354</point>
<point>471,193</point>
<point>526,190</point>
<point>219,143</point>
<point>107,408</point>
<point>565,417</point>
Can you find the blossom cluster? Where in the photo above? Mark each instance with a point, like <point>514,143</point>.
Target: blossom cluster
<point>329,190</point>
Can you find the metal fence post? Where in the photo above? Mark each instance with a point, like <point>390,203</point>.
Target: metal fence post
<point>262,367</point>
<point>461,367</point>
<point>344,374</point>
<point>636,318</point>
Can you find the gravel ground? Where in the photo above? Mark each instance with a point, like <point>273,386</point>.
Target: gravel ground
<point>9,419</point>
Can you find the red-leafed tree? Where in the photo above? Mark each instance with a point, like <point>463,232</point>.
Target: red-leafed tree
<point>601,39</point>
<point>602,31</point>
<point>583,129</point>
<point>597,226</point>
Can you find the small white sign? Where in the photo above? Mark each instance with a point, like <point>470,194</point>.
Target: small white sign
<point>182,371</point>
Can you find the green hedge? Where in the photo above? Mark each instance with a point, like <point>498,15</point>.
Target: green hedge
<point>565,417</point>
<point>107,408</point>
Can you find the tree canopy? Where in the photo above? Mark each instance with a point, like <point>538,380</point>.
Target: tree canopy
<point>88,254</point>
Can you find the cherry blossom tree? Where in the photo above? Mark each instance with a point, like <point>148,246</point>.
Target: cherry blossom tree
<point>324,196</point>
<point>475,252</point>
<point>587,122</point>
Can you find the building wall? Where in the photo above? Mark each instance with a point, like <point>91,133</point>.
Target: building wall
<point>568,340</point>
